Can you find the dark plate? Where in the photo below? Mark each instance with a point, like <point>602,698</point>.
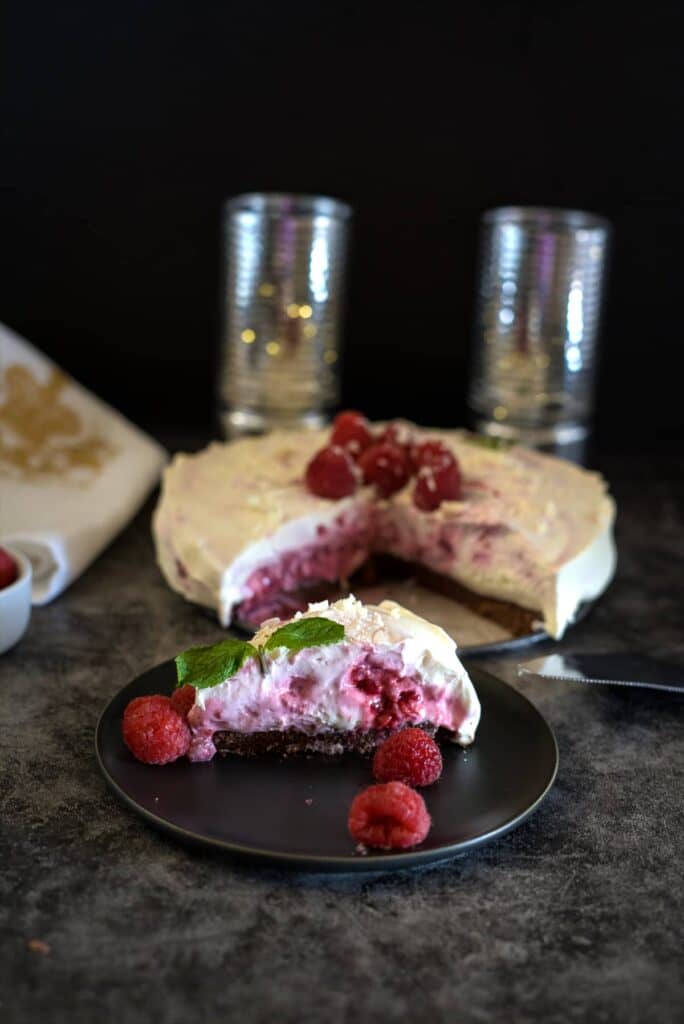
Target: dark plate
<point>258,808</point>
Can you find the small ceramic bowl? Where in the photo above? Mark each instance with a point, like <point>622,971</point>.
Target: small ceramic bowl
<point>15,602</point>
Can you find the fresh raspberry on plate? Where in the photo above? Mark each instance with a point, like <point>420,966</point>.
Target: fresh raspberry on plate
<point>331,473</point>
<point>386,466</point>
<point>389,817</point>
<point>8,569</point>
<point>409,756</point>
<point>351,430</point>
<point>183,698</point>
<point>154,731</point>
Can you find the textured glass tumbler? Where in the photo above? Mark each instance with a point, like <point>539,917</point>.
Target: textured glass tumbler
<point>538,307</point>
<point>285,260</point>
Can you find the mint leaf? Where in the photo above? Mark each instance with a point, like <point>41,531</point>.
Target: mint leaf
<point>208,666</point>
<point>487,441</point>
<point>305,633</point>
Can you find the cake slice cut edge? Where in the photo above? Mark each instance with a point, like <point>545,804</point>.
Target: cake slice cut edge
<point>388,669</point>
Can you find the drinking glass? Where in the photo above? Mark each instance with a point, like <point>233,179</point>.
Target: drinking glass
<point>285,261</point>
<point>537,321</point>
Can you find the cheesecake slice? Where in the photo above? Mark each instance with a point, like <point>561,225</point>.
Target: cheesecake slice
<point>339,677</point>
<point>238,529</point>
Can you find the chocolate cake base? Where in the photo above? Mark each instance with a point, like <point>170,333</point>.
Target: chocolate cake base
<point>293,743</point>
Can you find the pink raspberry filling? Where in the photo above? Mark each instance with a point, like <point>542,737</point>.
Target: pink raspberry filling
<point>273,587</point>
<point>394,698</point>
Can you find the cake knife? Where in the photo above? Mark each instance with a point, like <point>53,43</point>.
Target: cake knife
<point>611,669</point>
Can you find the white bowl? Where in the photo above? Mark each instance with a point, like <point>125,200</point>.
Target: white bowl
<point>15,602</point>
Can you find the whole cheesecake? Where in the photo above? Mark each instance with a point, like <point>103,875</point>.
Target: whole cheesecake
<point>238,529</point>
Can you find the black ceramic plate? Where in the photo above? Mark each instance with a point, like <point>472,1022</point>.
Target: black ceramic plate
<point>294,812</point>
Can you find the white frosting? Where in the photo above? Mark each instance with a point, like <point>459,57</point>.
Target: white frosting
<point>530,528</point>
<point>581,579</point>
<point>385,623</point>
<point>232,509</point>
<point>296,534</point>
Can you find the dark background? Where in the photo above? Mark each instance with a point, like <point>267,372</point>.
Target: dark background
<point>127,124</point>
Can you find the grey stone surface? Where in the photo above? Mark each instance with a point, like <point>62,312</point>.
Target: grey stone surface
<point>575,916</point>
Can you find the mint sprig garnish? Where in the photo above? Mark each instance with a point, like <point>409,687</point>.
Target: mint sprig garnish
<point>209,666</point>
<point>302,633</point>
<point>487,441</point>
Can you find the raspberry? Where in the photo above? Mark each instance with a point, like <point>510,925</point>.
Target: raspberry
<point>183,698</point>
<point>8,569</point>
<point>154,731</point>
<point>391,816</point>
<point>331,473</point>
<point>427,453</point>
<point>409,756</point>
<point>351,430</point>
<point>437,481</point>
<point>386,466</point>
<point>397,434</point>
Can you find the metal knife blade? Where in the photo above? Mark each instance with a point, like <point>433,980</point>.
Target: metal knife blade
<point>616,669</point>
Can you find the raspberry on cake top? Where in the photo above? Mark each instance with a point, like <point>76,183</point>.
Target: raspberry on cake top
<point>241,525</point>
<point>337,677</point>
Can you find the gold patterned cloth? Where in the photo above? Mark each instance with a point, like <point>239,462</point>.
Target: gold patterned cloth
<point>73,471</point>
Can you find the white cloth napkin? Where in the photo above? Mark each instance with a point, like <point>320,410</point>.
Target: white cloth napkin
<point>73,471</point>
